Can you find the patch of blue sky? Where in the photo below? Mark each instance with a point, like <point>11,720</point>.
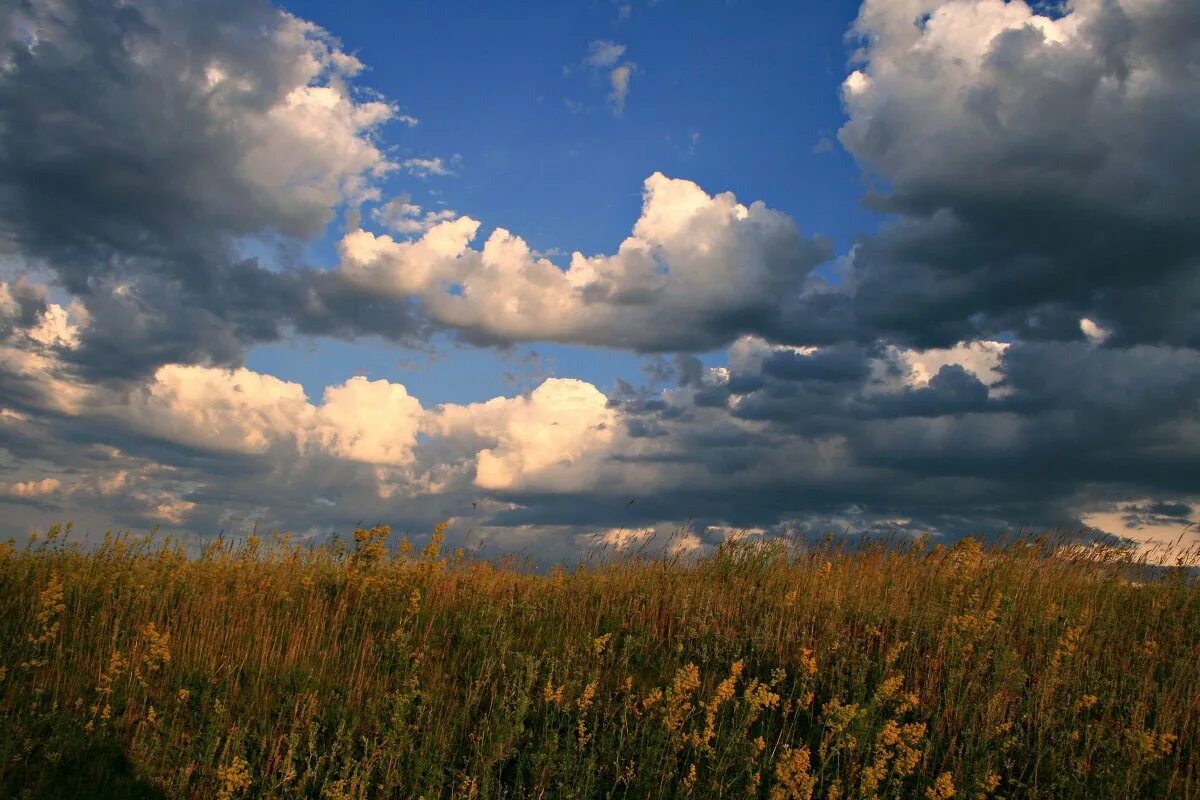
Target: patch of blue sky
<point>529,142</point>
<point>447,372</point>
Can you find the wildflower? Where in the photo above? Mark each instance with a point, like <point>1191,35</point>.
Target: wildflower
<point>808,662</point>
<point>966,554</point>
<point>585,699</point>
<point>430,553</point>
<point>838,717</point>
<point>251,548</point>
<point>942,789</point>
<point>722,694</point>
<point>104,686</point>
<point>873,775</point>
<point>50,605</point>
<point>687,680</point>
<point>370,546</point>
<point>233,779</point>
<point>990,784</point>
<point>584,703</point>
<point>794,782</point>
<point>758,696</point>
<point>1068,643</point>
<point>654,698</point>
<point>1151,745</point>
<point>890,735</point>
<point>158,649</point>
<point>554,695</point>
<point>889,688</point>
<point>907,750</point>
<point>689,780</point>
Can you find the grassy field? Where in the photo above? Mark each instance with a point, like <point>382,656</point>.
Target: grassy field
<point>270,669</point>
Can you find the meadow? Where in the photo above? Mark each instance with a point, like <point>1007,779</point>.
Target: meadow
<point>270,668</point>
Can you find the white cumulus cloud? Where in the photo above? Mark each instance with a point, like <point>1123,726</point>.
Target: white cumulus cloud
<point>695,267</point>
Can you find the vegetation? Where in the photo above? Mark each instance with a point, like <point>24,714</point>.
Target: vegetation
<point>778,671</point>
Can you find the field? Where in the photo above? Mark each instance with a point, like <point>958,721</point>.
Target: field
<point>363,669</point>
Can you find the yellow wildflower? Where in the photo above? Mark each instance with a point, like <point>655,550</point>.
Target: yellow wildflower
<point>942,789</point>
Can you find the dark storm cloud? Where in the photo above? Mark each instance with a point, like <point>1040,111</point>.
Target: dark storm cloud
<point>22,306</point>
<point>137,327</point>
<point>140,143</point>
<point>1041,174</point>
<point>953,390</point>
<point>1067,426</point>
<point>833,364</point>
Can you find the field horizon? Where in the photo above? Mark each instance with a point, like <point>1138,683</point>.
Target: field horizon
<point>363,668</point>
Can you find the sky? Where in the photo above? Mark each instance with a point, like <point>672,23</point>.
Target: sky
<point>568,273</point>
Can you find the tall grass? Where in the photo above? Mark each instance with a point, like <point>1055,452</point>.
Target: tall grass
<point>271,669</point>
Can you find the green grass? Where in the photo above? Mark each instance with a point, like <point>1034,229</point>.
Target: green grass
<point>276,670</point>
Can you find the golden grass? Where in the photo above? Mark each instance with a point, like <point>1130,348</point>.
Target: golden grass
<point>272,669</point>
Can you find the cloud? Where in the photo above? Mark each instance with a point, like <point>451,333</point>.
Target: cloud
<point>233,411</point>
<point>1154,523</point>
<point>541,440</point>
<point>370,421</point>
<point>1043,168</point>
<point>967,439</point>
<point>1093,332</point>
<point>1017,345</point>
<point>383,265</point>
<point>23,306</point>
<point>697,271</point>
<point>247,126</point>
<point>425,167</point>
<point>261,131</point>
<point>619,78</point>
<point>662,540</point>
<point>402,215</point>
<point>244,412</point>
<point>981,358</point>
<point>603,54</point>
<point>32,488</point>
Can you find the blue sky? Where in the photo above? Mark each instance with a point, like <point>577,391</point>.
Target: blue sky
<point>739,97</point>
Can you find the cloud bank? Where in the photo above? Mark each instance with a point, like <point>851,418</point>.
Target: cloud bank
<point>1016,345</point>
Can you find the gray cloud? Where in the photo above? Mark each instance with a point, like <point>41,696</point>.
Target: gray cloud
<point>1064,428</point>
<point>1043,169</point>
<point>141,143</point>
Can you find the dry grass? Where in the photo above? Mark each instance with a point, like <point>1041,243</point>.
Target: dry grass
<point>276,670</point>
